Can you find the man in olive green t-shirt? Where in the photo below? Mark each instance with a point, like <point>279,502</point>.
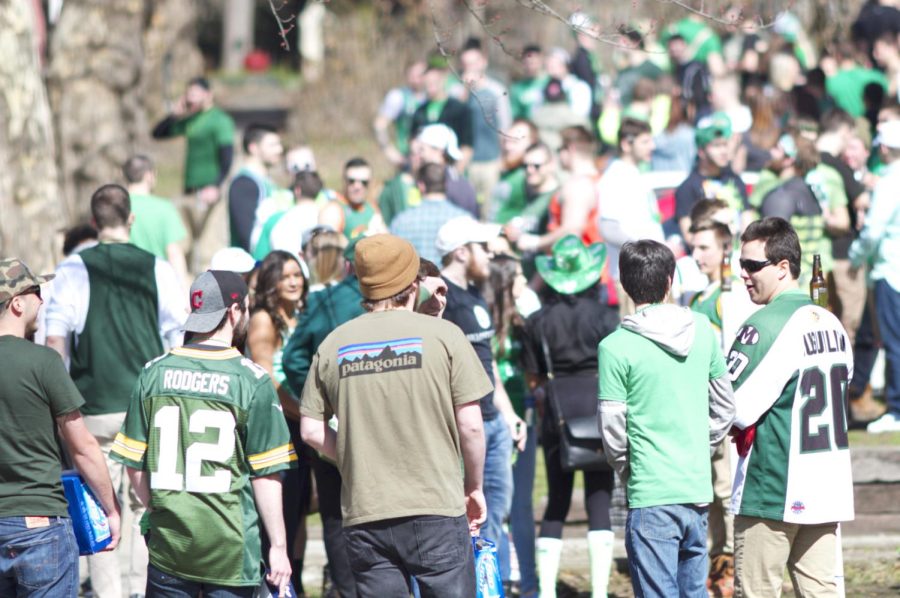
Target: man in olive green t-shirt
<point>665,403</point>
<point>404,388</point>
<point>37,397</point>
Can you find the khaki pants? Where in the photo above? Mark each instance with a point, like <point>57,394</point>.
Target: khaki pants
<point>483,176</point>
<point>847,290</point>
<point>763,547</point>
<point>105,568</point>
<point>207,228</point>
<point>721,522</point>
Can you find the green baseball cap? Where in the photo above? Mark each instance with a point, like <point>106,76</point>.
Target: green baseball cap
<point>712,127</point>
<point>572,267</point>
<point>16,278</point>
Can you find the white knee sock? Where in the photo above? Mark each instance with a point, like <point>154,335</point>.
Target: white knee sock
<point>548,552</point>
<point>600,548</point>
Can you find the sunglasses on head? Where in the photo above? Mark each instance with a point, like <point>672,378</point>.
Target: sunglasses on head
<point>363,182</point>
<point>754,266</point>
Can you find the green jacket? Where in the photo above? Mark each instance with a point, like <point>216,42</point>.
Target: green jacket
<point>326,309</point>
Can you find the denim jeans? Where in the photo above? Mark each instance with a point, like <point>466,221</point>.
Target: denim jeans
<point>498,486</point>
<point>163,585</point>
<point>521,516</point>
<point>435,550</point>
<point>887,301</point>
<point>38,562</point>
<point>865,349</point>
<point>666,548</point>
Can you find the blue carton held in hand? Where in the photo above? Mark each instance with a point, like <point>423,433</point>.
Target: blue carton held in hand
<point>88,518</point>
<point>487,569</point>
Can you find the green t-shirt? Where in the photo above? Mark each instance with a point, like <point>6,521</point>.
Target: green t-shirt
<point>511,373</point>
<point>847,87</point>
<point>203,422</point>
<point>157,224</point>
<point>205,132</point>
<point>508,195</point>
<point>35,389</point>
<point>667,401</point>
<point>525,94</point>
<point>393,378</point>
<point>701,39</point>
<point>709,303</point>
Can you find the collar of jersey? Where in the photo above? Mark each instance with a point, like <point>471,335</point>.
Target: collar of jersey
<point>207,352</point>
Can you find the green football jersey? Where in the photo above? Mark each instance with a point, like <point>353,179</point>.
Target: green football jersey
<point>202,422</point>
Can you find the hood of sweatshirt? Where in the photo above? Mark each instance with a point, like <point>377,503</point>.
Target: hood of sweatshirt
<point>669,326</point>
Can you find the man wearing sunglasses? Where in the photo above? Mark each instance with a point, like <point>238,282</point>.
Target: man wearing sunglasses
<point>790,364</point>
<point>37,397</point>
<point>352,213</point>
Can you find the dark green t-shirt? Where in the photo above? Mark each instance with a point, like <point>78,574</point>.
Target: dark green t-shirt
<point>206,132</point>
<point>34,390</point>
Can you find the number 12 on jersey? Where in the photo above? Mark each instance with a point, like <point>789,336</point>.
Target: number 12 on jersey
<point>166,477</point>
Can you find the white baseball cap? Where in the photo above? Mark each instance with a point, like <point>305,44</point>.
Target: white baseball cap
<point>889,134</point>
<point>463,230</point>
<point>442,137</point>
<point>233,259</point>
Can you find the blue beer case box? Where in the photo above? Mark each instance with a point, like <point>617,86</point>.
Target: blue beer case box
<point>88,518</point>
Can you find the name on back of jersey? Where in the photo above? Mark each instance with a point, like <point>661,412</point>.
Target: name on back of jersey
<point>194,381</point>
<point>824,341</point>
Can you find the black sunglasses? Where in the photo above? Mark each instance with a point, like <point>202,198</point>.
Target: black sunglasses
<point>533,165</point>
<point>754,266</point>
<point>363,182</point>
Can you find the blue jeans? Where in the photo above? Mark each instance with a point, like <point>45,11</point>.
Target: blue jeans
<point>521,516</point>
<point>162,585</point>
<point>498,487</point>
<point>38,562</point>
<point>666,548</point>
<point>887,302</point>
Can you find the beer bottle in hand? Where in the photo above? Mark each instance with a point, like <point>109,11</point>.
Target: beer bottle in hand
<point>725,271</point>
<point>818,288</point>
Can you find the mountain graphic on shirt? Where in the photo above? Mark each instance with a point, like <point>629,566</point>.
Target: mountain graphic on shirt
<point>380,357</point>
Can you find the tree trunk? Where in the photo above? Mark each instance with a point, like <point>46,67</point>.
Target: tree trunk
<point>30,209</point>
<point>237,33</point>
<point>112,64</point>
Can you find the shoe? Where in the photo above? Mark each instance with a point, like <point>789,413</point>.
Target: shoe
<point>864,408</point>
<point>721,576</point>
<point>889,422</point>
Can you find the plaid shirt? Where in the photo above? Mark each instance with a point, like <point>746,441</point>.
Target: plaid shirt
<point>420,225</point>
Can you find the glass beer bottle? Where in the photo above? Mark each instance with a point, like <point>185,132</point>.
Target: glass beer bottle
<point>818,288</point>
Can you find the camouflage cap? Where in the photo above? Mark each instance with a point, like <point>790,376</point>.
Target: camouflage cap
<point>16,277</point>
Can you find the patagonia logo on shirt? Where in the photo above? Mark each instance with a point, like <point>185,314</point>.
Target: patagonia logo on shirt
<point>379,357</point>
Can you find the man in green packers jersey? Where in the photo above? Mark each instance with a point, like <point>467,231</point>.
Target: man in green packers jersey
<point>204,442</point>
<point>790,363</point>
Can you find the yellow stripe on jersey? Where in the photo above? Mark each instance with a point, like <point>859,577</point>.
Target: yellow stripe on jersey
<point>219,355</point>
<point>128,447</point>
<point>276,456</point>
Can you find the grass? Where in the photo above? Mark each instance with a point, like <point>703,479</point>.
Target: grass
<point>863,438</point>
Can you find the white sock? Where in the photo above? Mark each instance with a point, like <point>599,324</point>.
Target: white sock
<point>600,548</point>
<point>548,552</point>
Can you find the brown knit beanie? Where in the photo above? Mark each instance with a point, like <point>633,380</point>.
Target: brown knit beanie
<point>385,265</point>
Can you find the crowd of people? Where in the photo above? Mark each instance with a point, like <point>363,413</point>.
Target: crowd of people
<point>611,265</point>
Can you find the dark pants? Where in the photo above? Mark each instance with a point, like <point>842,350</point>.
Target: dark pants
<point>887,301</point>
<point>163,585</point>
<point>865,349</point>
<point>328,486</point>
<point>436,550</point>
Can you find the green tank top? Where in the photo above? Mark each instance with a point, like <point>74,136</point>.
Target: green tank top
<point>710,305</point>
<point>357,221</point>
<point>121,332</point>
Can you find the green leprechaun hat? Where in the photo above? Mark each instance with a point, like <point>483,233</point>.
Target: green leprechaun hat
<point>573,267</point>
